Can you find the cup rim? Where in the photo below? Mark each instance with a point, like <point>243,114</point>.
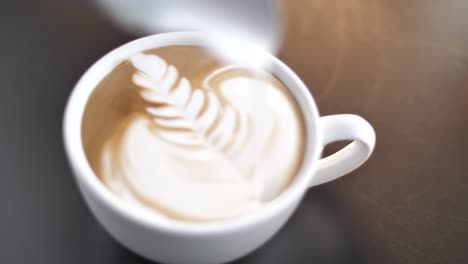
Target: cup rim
<point>83,173</point>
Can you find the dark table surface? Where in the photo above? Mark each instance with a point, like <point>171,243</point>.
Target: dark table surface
<point>402,64</point>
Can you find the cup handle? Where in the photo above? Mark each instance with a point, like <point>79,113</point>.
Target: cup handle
<point>344,127</point>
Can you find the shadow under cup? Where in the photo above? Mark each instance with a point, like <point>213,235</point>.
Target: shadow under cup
<point>170,241</point>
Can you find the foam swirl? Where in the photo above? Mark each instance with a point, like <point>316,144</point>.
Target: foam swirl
<point>206,153</point>
<point>185,116</point>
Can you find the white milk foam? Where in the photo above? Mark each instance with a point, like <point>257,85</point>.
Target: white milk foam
<point>208,153</point>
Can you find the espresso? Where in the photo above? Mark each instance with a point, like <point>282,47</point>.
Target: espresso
<point>174,130</point>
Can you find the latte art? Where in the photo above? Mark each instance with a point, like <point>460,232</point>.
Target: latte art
<point>212,151</point>
<point>194,118</point>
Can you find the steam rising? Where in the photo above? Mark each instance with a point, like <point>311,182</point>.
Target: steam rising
<point>238,29</point>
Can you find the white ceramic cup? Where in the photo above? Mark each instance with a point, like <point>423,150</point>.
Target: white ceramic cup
<point>178,242</point>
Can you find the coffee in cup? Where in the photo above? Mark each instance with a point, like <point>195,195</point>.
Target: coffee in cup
<point>175,130</point>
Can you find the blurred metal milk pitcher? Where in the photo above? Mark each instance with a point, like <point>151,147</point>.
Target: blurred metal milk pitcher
<point>237,27</point>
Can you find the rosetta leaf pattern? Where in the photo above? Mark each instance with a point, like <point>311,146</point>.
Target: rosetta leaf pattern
<point>187,116</point>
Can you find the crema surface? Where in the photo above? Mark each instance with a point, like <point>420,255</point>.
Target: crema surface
<point>173,130</point>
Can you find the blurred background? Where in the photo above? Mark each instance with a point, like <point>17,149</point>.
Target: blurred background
<point>401,64</point>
